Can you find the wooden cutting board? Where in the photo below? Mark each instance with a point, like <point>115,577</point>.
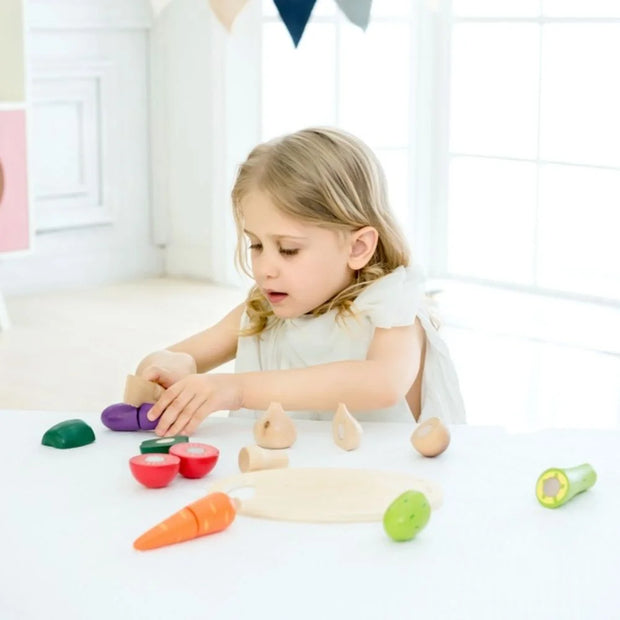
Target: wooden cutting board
<point>323,495</point>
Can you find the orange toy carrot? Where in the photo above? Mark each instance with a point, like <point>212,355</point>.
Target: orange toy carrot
<point>210,514</point>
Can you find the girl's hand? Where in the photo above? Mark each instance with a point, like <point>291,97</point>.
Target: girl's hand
<point>165,376</point>
<point>187,402</point>
<point>175,365</point>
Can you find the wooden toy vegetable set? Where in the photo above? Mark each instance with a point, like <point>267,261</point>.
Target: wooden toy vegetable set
<point>401,501</point>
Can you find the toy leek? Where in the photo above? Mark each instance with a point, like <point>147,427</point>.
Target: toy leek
<point>556,486</point>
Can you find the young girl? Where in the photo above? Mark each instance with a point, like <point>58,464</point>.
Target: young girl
<point>335,315</point>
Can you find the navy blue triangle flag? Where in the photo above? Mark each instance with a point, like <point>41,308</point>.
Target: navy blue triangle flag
<point>295,15</point>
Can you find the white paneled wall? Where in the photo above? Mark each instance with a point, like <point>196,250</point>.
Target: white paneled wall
<point>71,169</point>
<point>137,125</point>
<point>89,171</point>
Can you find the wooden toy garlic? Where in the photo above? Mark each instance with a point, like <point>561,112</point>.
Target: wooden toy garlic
<point>346,430</point>
<point>431,437</point>
<point>275,429</point>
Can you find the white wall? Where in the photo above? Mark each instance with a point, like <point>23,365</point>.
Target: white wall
<point>88,146</point>
<point>156,114</point>
<point>206,117</point>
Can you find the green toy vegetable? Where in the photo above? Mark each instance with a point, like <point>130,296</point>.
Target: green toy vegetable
<point>68,434</point>
<point>556,486</point>
<point>406,515</point>
<point>162,444</point>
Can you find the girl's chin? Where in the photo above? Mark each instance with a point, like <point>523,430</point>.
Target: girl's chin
<point>287,313</point>
<point>281,313</point>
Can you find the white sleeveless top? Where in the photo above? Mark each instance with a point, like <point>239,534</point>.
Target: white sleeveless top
<point>391,301</point>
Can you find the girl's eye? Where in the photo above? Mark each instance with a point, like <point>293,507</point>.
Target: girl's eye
<point>284,251</point>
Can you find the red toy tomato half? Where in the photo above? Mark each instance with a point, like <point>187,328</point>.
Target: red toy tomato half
<point>154,470</point>
<point>197,459</point>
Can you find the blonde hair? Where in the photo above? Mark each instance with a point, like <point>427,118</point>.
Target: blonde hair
<point>325,177</point>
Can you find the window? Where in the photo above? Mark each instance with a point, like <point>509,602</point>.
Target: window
<point>496,123</point>
<point>533,167</point>
<point>498,126</point>
<point>342,76</point>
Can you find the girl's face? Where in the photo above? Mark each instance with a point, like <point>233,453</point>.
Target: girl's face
<point>297,266</point>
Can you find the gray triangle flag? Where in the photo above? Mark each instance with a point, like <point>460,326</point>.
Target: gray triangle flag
<point>357,11</point>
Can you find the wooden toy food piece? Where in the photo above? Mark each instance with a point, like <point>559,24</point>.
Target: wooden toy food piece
<point>197,459</point>
<point>143,422</point>
<point>208,515</point>
<point>154,470</point>
<point>275,429</point>
<point>138,391</point>
<point>346,430</point>
<point>406,515</point>
<point>120,417</point>
<point>161,445</point>
<point>68,434</point>
<point>323,495</point>
<point>556,486</point>
<point>253,458</point>
<point>124,417</point>
<point>431,437</point>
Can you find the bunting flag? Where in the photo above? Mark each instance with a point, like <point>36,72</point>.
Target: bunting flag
<point>295,15</point>
<point>357,11</point>
<point>227,10</point>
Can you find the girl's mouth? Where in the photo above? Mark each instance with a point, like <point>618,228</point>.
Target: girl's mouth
<point>276,297</point>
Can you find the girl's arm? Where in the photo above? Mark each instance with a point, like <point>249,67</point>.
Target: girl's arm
<point>379,381</point>
<point>198,353</point>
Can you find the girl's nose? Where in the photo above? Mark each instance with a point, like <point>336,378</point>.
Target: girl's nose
<point>265,266</point>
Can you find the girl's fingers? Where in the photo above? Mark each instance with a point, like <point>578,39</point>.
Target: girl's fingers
<point>201,413</point>
<point>163,403</point>
<point>172,410</point>
<point>151,373</point>
<point>185,416</point>
<point>163,377</point>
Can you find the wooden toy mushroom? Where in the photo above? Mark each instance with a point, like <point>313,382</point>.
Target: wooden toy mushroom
<point>253,458</point>
<point>431,437</point>
<point>275,429</point>
<point>346,430</point>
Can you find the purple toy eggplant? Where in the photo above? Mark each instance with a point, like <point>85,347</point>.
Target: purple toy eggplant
<point>124,417</point>
<point>143,421</point>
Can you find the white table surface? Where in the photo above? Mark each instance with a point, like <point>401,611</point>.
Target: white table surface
<point>69,517</point>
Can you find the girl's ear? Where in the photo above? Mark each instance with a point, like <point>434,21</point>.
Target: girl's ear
<point>363,244</point>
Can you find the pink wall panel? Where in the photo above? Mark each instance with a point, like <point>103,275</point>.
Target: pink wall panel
<point>14,223</point>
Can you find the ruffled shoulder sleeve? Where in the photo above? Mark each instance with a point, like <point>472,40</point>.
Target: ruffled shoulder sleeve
<point>393,300</point>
